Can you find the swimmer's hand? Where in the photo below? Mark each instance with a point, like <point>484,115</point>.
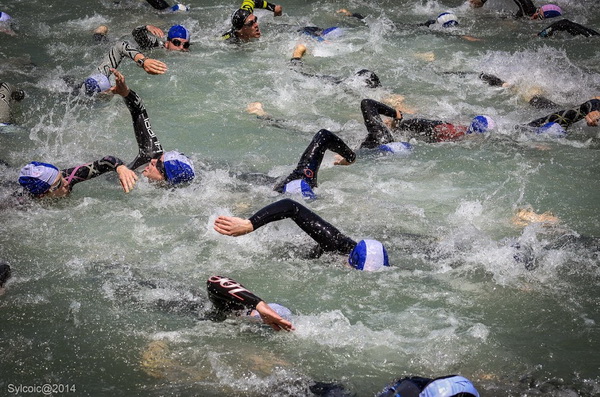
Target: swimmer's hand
<point>272,319</point>
<point>277,11</point>
<point>344,11</point>
<point>127,178</point>
<point>256,108</point>
<point>339,160</point>
<point>155,31</point>
<point>120,86</point>
<point>592,118</point>
<point>233,226</point>
<point>153,66</point>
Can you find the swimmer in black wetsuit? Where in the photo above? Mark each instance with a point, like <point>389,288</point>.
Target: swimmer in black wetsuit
<point>5,274</point>
<point>8,95</point>
<point>564,25</point>
<point>430,131</point>
<point>148,37</point>
<point>244,24</point>
<point>369,78</point>
<point>171,167</point>
<point>228,296</point>
<point>164,6</point>
<point>365,255</point>
<point>589,110</point>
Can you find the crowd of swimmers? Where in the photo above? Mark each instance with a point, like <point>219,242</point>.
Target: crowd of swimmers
<point>384,124</point>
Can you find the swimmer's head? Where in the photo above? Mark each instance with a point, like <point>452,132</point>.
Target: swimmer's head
<point>449,387</point>
<point>332,32</point>
<point>238,18</point>
<point>178,32</point>
<point>547,11</point>
<point>179,8</point>
<point>552,129</point>
<point>18,95</point>
<point>368,255</point>
<point>370,78</point>
<point>281,310</point>
<point>447,19</point>
<point>37,178</point>
<point>481,124</point>
<point>396,148</point>
<point>96,83</point>
<point>4,17</point>
<point>178,168</point>
<point>300,186</point>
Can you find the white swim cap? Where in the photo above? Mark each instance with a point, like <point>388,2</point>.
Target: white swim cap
<point>447,19</point>
<point>368,255</point>
<point>179,8</point>
<point>299,186</point>
<point>396,148</point>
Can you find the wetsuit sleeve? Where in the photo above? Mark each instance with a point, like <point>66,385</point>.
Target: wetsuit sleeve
<point>491,79</point>
<point>116,54</point>
<point>159,4</point>
<point>325,234</point>
<point>91,170</point>
<point>6,91</point>
<point>378,132</point>
<point>149,146</point>
<point>428,23</point>
<point>423,129</point>
<point>250,5</point>
<point>570,116</point>
<point>228,295</point>
<point>571,27</point>
<point>526,8</point>
<point>144,39</point>
<point>310,161</point>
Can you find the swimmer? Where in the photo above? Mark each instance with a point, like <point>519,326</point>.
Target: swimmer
<point>526,216</point>
<point>171,168</point>
<point>558,122</point>
<point>303,179</point>
<point>164,6</point>
<point>429,131</point>
<point>367,255</point>
<point>244,24</point>
<point>347,13</point>
<point>100,34</point>
<point>5,24</point>
<point>230,297</point>
<point>369,78</point>
<point>42,180</point>
<point>149,36</point>
<point>445,386</point>
<point>5,274</point>
<point>8,96</point>
<point>564,25</point>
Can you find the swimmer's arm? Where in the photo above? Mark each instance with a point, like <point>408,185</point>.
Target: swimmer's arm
<point>492,80</point>
<point>127,178</point>
<point>159,4</point>
<point>144,38</point>
<point>250,5</point>
<point>347,13</point>
<point>272,319</point>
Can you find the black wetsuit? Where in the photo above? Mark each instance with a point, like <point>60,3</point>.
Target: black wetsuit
<point>146,40</point>
<point>370,78</point>
<point>564,25</point>
<point>310,161</point>
<point>88,171</point>
<point>326,235</point>
<point>148,144</point>
<point>227,296</point>
<point>113,59</point>
<point>159,4</point>
<point>8,94</point>
<point>537,101</point>
<point>430,131</point>
<point>526,8</point>
<point>569,116</point>
<point>5,273</point>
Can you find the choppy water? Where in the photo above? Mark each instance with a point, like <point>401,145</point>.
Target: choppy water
<point>90,272</point>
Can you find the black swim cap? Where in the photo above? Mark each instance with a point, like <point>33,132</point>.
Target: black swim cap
<point>238,18</point>
<point>371,79</point>
<point>18,95</point>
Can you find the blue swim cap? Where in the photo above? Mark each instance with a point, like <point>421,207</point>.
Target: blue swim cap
<point>37,177</point>
<point>178,32</point>
<point>300,186</point>
<point>179,8</point>
<point>368,255</point>
<point>96,83</point>
<point>178,167</point>
<point>447,19</point>
<point>552,129</point>
<point>332,32</point>
<point>448,387</point>
<point>396,147</point>
<point>481,124</point>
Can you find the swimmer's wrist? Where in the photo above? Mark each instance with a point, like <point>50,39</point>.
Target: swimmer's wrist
<point>141,61</point>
